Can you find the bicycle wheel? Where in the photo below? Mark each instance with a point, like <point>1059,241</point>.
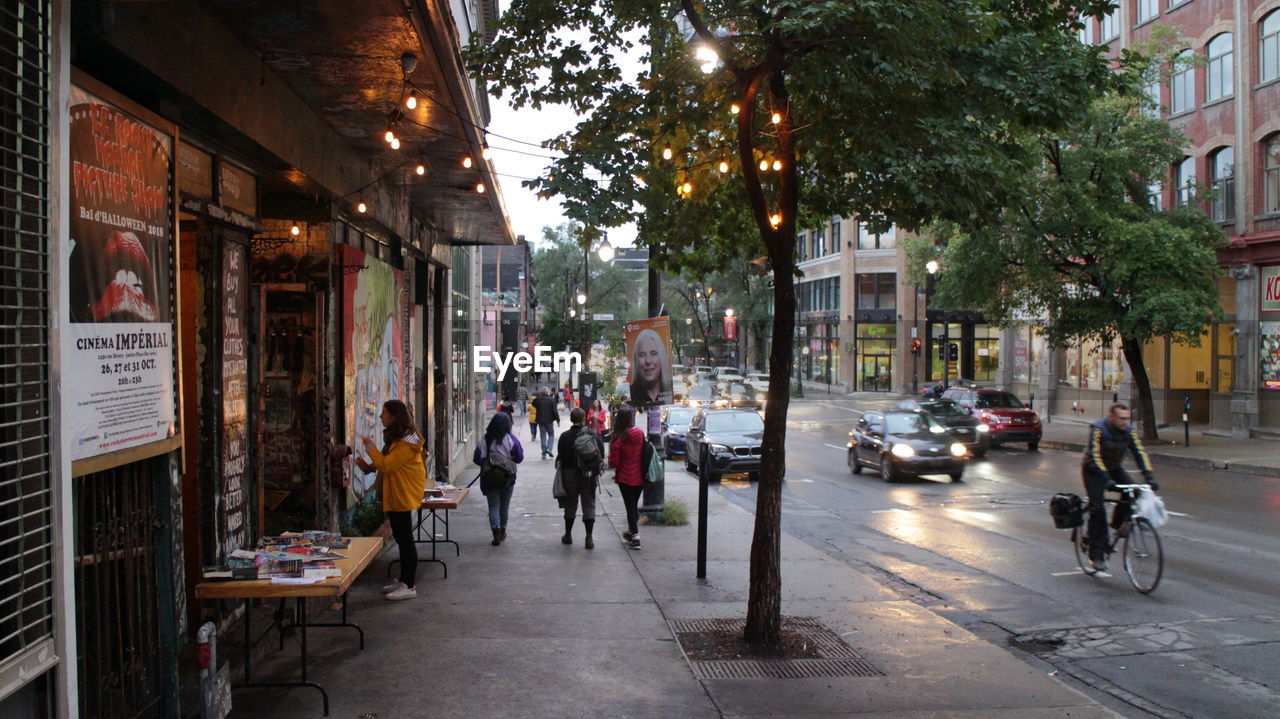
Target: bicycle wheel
<point>1082,551</point>
<point>1143,556</point>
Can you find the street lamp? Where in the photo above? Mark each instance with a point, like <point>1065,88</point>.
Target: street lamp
<point>582,298</point>
<point>932,268</point>
<point>573,312</point>
<point>606,251</point>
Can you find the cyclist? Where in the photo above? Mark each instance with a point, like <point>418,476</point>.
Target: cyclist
<point>1109,438</point>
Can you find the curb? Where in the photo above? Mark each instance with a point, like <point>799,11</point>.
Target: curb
<point>1177,460</point>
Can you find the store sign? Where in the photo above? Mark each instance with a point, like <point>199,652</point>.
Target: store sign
<point>731,328</point>
<point>237,189</point>
<point>195,171</point>
<point>116,278</point>
<point>1270,288</point>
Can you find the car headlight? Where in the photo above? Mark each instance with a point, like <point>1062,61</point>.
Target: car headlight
<point>937,430</point>
<point>903,450</point>
<point>760,397</point>
<point>718,448</point>
<point>984,427</point>
<point>957,449</point>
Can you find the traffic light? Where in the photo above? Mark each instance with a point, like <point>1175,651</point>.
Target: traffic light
<point>915,347</point>
<point>953,352</point>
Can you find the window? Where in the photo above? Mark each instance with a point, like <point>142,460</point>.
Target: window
<point>1181,91</point>
<point>1155,195</point>
<point>835,234</point>
<point>1222,174</point>
<point>1269,47</point>
<point>1153,107</point>
<point>819,238</point>
<point>1185,180</point>
<point>1086,32</point>
<point>869,241</point>
<point>877,291</point>
<point>802,244</point>
<point>1218,73</point>
<point>1271,173</point>
<point>1148,9</point>
<point>1110,26</point>
<point>818,295</point>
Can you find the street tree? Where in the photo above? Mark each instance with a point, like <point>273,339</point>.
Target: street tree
<point>1087,245</point>
<point>696,115</point>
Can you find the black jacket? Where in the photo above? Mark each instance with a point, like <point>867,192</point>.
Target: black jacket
<point>545,406</point>
<point>1107,446</point>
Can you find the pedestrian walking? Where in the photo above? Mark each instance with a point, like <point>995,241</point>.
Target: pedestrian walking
<point>579,457</point>
<point>497,455</point>
<point>567,393</point>
<point>626,456</point>
<point>401,482</point>
<point>533,422</point>
<point>598,418</point>
<point>545,406</point>
<point>522,398</point>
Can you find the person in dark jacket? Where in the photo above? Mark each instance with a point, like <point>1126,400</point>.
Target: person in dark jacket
<point>579,482</point>
<point>1109,439</point>
<point>626,456</point>
<point>498,440</point>
<point>545,407</point>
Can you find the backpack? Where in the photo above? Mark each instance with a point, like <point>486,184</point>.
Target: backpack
<point>497,469</point>
<point>1067,510</point>
<point>651,462</point>
<point>587,450</point>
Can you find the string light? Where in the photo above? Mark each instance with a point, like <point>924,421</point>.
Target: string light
<point>724,167</point>
<point>389,136</point>
<point>480,187</point>
<point>777,165</point>
<point>764,165</point>
<point>421,169</point>
<point>734,108</point>
<point>466,161</point>
<point>295,230</point>
<point>686,188</point>
<point>395,143</point>
<point>777,117</point>
<point>486,153</point>
<point>666,153</point>
<point>411,101</point>
<point>775,219</point>
<point>362,208</point>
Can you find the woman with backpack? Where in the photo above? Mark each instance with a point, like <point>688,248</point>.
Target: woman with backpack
<point>498,454</point>
<point>579,455</point>
<point>626,456</point>
<point>401,481</point>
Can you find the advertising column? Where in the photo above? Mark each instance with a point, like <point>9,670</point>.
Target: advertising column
<point>117,370</point>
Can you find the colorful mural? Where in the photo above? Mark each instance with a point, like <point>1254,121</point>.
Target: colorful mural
<point>373,366</point>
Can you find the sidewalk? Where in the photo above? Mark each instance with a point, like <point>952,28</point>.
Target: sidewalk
<point>1207,451</point>
<point>539,629</point>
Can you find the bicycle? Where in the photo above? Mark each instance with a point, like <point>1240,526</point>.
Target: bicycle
<point>1143,553</point>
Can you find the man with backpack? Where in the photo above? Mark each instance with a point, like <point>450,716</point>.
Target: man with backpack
<point>579,458</point>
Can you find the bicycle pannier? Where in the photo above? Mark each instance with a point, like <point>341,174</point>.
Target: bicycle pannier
<point>1067,510</point>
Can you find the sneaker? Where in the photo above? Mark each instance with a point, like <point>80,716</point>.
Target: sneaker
<point>389,588</point>
<point>635,543</point>
<point>403,593</point>
<point>627,536</point>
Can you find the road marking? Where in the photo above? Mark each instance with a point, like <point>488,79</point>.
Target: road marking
<point>887,511</point>
<point>1065,574</point>
<point>1176,514</point>
<point>836,446</point>
<point>807,481</point>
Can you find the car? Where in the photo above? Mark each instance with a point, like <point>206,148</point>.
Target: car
<point>935,391</point>
<point>741,396</point>
<point>904,443</point>
<point>675,422</point>
<point>701,395</point>
<point>972,432</point>
<point>724,441</point>
<point>723,370</point>
<point>724,379</point>
<point>1008,418</point>
<point>703,369</point>
<point>758,378</point>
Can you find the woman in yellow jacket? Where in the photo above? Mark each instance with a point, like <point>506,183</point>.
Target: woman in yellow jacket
<point>533,422</point>
<point>401,482</point>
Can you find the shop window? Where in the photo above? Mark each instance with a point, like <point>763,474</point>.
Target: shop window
<point>461,399</point>
<point>1020,365</point>
<point>986,353</point>
<point>1185,180</point>
<point>1271,170</point>
<point>1224,368</point>
<point>1222,175</point>
<point>1039,346</point>
<point>1181,89</point>
<point>1190,366</point>
<point>1269,47</point>
<point>1218,72</point>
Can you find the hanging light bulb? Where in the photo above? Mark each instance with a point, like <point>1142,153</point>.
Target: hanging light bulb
<point>466,161</point>
<point>734,108</point>
<point>295,230</point>
<point>395,143</point>
<point>666,153</point>
<point>777,165</point>
<point>777,117</point>
<point>411,101</point>
<point>686,188</point>
<point>480,188</point>
<point>389,136</point>
<point>723,167</point>
<point>421,169</point>
<point>486,153</point>
<point>362,208</point>
<point>775,219</point>
<point>764,165</point>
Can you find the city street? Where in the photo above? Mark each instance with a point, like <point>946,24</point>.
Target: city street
<point>984,553</point>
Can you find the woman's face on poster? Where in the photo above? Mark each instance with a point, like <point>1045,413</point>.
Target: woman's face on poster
<point>649,359</point>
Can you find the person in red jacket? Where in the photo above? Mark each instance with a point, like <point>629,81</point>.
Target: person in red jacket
<point>598,418</point>
<point>626,455</point>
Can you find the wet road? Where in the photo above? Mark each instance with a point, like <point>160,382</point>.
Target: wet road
<point>984,553</point>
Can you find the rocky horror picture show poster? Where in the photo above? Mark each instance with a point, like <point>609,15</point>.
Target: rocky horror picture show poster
<point>117,370</point>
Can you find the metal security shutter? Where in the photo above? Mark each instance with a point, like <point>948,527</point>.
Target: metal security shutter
<point>26,584</point>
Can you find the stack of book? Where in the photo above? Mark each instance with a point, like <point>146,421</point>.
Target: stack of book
<point>292,558</point>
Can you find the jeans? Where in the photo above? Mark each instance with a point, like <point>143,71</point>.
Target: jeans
<point>402,531</point>
<point>631,500</point>
<point>548,437</point>
<point>533,430</point>
<point>499,504</point>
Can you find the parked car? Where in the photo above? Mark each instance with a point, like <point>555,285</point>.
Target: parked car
<point>972,432</point>
<point>675,422</point>
<point>723,370</point>
<point>1008,418</point>
<point>724,441</point>
<point>724,379</point>
<point>701,395</point>
<point>904,443</point>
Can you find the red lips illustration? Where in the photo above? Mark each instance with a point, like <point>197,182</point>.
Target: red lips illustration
<point>124,295</point>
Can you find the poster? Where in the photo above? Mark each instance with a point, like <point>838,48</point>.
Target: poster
<point>373,366</point>
<point>235,388</point>
<point>117,370</point>
<point>1270,360</point>
<point>649,352</point>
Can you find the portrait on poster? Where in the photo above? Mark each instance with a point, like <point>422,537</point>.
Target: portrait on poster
<point>649,353</point>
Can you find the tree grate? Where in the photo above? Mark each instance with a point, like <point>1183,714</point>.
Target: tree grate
<point>836,659</point>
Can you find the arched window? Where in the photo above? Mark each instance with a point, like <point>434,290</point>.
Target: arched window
<point>1182,94</point>
<point>1271,172</point>
<point>1269,47</point>
<point>1222,174</point>
<point>1218,73</point>
<point>1185,180</point>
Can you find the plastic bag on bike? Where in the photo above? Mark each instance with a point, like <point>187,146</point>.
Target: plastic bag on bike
<point>1150,506</point>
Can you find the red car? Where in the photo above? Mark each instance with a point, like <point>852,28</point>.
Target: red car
<point>1007,417</point>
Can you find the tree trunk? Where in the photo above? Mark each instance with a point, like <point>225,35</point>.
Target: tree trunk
<point>1146,407</point>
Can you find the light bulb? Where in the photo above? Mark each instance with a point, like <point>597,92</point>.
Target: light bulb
<point>734,108</point>
<point>686,188</point>
<point>724,166</point>
<point>666,153</point>
<point>395,143</point>
<point>764,165</point>
<point>361,208</point>
<point>389,136</point>
<point>295,230</point>
<point>775,219</point>
<point>421,169</point>
<point>486,153</point>
<point>466,161</point>
<point>777,165</point>
<point>411,101</point>
<point>480,188</point>
<point>777,117</point>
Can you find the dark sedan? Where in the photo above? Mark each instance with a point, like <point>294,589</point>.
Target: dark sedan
<point>972,432</point>
<point>904,443</point>
<point>675,422</point>
<point>741,396</point>
<point>700,395</point>
<point>724,441</point>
